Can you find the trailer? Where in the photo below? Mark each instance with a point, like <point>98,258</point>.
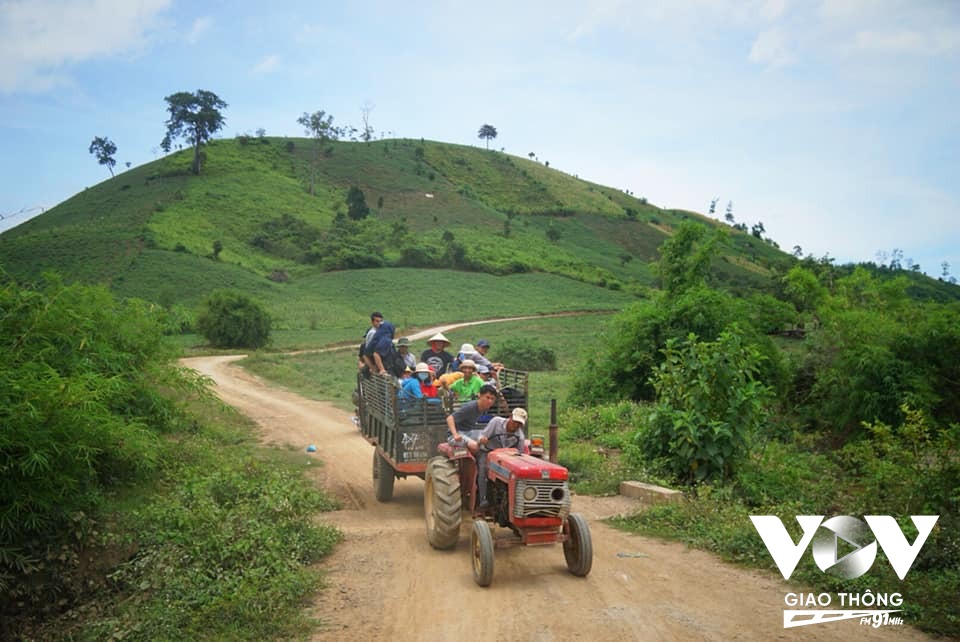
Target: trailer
<point>405,434</point>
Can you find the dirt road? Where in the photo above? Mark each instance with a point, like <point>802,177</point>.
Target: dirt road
<point>386,583</point>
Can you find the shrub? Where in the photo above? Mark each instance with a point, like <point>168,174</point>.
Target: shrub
<point>79,414</point>
<point>177,319</point>
<point>708,406</point>
<point>526,354</point>
<point>231,319</point>
<point>418,256</point>
<point>632,343</point>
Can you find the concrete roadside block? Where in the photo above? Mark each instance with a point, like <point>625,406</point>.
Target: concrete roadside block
<point>648,493</point>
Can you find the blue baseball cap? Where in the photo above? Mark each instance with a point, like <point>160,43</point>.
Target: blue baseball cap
<point>483,343</point>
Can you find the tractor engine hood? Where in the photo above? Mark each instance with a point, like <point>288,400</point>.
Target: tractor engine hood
<point>508,462</point>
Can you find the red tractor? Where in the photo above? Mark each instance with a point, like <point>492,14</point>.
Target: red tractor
<point>528,495</point>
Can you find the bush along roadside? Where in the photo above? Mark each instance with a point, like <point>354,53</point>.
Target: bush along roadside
<point>134,505</point>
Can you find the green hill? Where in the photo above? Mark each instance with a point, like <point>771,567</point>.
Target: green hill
<point>478,233</point>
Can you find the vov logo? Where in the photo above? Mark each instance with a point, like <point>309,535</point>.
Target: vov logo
<point>826,535</point>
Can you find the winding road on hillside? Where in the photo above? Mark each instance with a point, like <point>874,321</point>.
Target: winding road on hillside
<point>385,582</point>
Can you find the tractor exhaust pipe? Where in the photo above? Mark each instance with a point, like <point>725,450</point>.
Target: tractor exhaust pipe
<point>553,430</point>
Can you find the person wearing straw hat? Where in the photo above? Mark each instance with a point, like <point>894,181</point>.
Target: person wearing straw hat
<point>436,356</point>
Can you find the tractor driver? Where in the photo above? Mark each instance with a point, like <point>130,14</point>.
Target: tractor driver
<point>462,423</point>
<point>500,432</point>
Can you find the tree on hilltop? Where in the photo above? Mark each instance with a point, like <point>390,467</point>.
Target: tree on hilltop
<point>195,117</point>
<point>366,135</point>
<point>104,149</point>
<point>487,133</point>
<point>319,126</point>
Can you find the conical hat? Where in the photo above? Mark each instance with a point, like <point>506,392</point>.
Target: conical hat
<point>439,337</point>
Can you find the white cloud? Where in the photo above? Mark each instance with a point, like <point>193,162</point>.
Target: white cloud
<point>600,14</point>
<point>908,41</point>
<point>773,9</point>
<point>770,48</point>
<point>37,39</point>
<point>687,18</point>
<point>266,65</point>
<point>200,27</point>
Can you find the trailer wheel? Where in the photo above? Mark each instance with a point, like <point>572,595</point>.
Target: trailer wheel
<point>441,503</point>
<point>383,477</point>
<point>481,547</point>
<point>578,548</point>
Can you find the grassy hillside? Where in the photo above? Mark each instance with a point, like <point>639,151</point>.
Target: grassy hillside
<point>476,232</point>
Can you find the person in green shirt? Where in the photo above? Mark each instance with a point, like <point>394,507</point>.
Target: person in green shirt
<point>469,386</point>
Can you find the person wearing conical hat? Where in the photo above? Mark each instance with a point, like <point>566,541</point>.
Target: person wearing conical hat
<point>436,356</point>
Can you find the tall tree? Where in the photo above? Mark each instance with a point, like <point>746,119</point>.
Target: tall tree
<point>357,208</point>
<point>729,215</point>
<point>195,117</point>
<point>487,133</point>
<point>685,257</point>
<point>318,126</point>
<point>104,149</point>
<point>367,132</point>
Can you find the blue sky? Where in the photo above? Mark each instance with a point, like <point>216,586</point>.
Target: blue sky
<point>833,122</point>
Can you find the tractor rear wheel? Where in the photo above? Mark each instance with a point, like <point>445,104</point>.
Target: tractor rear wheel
<point>441,503</point>
<point>481,548</point>
<point>383,477</point>
<point>578,549</point>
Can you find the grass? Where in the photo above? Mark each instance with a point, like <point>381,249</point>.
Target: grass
<point>333,307</point>
<point>149,231</point>
<point>220,546</point>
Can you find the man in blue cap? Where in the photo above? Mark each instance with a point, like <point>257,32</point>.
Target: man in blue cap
<point>480,357</point>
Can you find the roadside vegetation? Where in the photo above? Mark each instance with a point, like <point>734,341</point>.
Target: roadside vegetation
<point>855,415</point>
<point>132,504</point>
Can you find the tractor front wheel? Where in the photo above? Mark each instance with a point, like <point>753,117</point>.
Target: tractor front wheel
<point>577,548</point>
<point>383,477</point>
<point>441,503</point>
<point>481,547</point>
